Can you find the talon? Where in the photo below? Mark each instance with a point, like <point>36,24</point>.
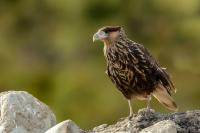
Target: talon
<point>130,116</point>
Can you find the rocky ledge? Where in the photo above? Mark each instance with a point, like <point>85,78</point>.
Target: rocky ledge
<point>154,122</point>
<point>23,113</point>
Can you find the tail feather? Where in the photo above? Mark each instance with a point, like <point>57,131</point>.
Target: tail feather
<point>161,94</point>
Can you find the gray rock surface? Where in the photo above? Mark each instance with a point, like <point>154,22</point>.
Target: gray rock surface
<point>166,126</point>
<point>185,122</point>
<point>67,126</point>
<point>22,113</point>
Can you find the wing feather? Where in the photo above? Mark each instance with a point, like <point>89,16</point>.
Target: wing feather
<point>146,65</point>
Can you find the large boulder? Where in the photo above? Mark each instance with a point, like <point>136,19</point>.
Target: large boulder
<point>23,113</point>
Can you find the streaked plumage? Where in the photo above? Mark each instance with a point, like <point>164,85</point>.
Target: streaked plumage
<point>133,69</point>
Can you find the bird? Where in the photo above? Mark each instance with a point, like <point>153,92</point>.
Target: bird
<point>133,70</point>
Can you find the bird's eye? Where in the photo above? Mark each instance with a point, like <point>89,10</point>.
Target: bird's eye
<point>105,31</point>
<point>102,33</point>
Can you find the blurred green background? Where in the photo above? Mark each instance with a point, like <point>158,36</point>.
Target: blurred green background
<point>46,49</point>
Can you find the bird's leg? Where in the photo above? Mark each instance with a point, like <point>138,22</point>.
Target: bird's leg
<point>148,109</point>
<point>130,111</point>
<point>130,108</point>
<point>149,103</point>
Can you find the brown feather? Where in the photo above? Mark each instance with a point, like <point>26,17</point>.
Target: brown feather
<point>164,98</point>
<point>133,69</point>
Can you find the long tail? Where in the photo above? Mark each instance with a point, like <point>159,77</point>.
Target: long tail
<point>161,94</point>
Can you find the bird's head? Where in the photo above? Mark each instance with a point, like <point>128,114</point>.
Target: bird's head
<point>108,34</point>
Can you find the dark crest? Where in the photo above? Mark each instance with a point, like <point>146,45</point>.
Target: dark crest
<point>109,29</point>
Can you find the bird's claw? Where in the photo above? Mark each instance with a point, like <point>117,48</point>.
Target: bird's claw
<point>128,117</point>
<point>131,116</point>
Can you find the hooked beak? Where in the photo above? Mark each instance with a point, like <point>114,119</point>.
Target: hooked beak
<point>100,35</point>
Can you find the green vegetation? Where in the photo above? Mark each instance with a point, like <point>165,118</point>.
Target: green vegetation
<point>46,49</point>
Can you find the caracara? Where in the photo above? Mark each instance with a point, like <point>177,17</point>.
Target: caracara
<point>133,70</point>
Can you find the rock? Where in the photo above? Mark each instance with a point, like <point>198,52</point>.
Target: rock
<point>67,126</point>
<point>166,126</point>
<point>22,113</point>
<point>100,128</point>
<point>154,122</point>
